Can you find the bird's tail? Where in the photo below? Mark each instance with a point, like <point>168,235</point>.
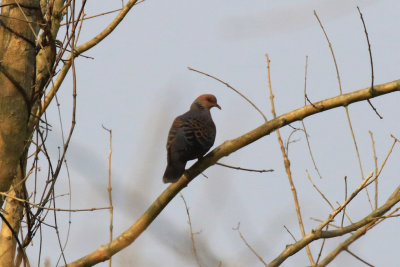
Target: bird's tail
<point>173,172</point>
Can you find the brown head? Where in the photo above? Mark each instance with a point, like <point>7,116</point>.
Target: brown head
<point>206,101</point>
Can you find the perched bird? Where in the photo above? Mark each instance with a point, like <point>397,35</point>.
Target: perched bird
<point>191,135</point>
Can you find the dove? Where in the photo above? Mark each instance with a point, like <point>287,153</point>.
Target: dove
<point>191,135</point>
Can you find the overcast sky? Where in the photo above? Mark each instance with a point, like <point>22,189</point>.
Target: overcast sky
<point>138,83</point>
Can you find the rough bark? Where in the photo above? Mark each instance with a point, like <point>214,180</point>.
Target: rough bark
<point>18,30</point>
<point>13,214</point>
<point>17,80</point>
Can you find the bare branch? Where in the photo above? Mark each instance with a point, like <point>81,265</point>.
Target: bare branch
<point>345,198</point>
<point>387,156</point>
<point>248,245</point>
<point>79,50</point>
<point>196,256</point>
<point>302,122</point>
<point>236,91</point>
<point>290,233</point>
<point>316,188</point>
<point>345,107</point>
<point>109,189</point>
<point>322,247</point>
<point>242,169</point>
<point>376,167</point>
<point>360,228</point>
<point>49,208</point>
<point>358,258</point>
<point>321,221</point>
<point>228,147</point>
<point>370,58</point>
<point>286,162</point>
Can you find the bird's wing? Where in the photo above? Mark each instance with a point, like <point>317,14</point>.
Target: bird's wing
<point>203,132</point>
<point>191,136</point>
<point>177,138</point>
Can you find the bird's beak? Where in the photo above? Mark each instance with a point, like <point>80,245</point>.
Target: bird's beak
<point>217,106</point>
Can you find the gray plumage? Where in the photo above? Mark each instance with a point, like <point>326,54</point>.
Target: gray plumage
<point>191,135</point>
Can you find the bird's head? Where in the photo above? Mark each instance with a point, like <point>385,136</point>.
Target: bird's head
<point>206,101</point>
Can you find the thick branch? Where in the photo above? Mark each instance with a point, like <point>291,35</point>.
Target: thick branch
<point>228,147</point>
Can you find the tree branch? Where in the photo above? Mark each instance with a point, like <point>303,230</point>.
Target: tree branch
<point>80,49</point>
<point>317,234</point>
<point>129,236</point>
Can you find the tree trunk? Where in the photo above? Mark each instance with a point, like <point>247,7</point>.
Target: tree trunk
<point>18,30</point>
<point>17,81</point>
<point>13,215</point>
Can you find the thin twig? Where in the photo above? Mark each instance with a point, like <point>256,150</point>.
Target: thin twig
<point>353,195</point>
<point>94,16</point>
<point>79,32</point>
<point>48,208</point>
<point>104,13</point>
<point>395,138</point>
<point>62,252</point>
<point>71,38</point>
<point>392,214</point>
<point>382,218</point>
<point>288,142</point>
<point>196,256</point>
<point>376,167</point>
<point>229,86</point>
<point>309,101</point>
<point>371,62</point>
<point>286,162</point>
<point>345,213</point>
<point>69,205</point>
<point>358,258</point>
<point>321,221</point>
<point>248,245</point>
<point>74,40</point>
<point>387,156</point>
<point>347,201</point>
<point>322,247</point>
<point>383,163</point>
<point>345,198</point>
<point>302,121</point>
<point>345,107</point>
<point>205,176</point>
<point>242,169</point>
<point>54,173</point>
<point>316,188</point>
<point>294,238</point>
<point>109,189</point>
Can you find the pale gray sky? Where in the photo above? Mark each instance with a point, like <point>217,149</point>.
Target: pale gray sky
<point>139,82</point>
